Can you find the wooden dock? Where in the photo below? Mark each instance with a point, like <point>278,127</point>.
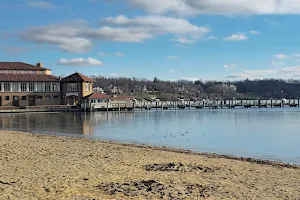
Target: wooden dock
<point>213,104</point>
<point>162,105</point>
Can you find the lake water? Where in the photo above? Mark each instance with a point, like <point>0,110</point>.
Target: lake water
<point>269,133</point>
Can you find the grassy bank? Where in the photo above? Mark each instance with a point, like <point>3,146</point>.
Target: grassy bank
<point>49,167</point>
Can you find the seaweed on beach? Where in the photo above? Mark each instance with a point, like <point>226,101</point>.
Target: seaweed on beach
<point>150,188</point>
<point>177,167</point>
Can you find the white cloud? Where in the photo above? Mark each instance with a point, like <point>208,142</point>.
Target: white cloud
<point>253,32</point>
<point>157,25</point>
<point>40,4</point>
<point>277,63</point>
<point>281,56</point>
<point>80,62</point>
<point>218,7</point>
<point>290,70</point>
<point>119,54</point>
<point>230,66</point>
<point>251,74</point>
<point>173,57</point>
<point>64,36</point>
<point>103,54</point>
<point>296,54</point>
<point>78,36</point>
<point>191,79</point>
<point>184,40</point>
<point>236,37</point>
<point>258,74</point>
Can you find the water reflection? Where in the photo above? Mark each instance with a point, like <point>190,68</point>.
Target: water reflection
<point>264,133</point>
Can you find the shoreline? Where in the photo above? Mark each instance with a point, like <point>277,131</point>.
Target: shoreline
<point>64,167</point>
<point>177,150</point>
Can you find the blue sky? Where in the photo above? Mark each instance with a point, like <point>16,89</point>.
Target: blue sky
<point>169,39</point>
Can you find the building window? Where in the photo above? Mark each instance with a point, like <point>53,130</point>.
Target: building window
<point>39,87</point>
<point>23,87</point>
<point>0,87</point>
<point>31,87</point>
<point>99,100</point>
<point>15,87</point>
<point>6,87</point>
<point>92,101</point>
<point>87,87</point>
<point>39,98</point>
<point>54,87</point>
<point>24,98</point>
<point>47,87</point>
<point>47,98</point>
<point>55,97</point>
<point>6,98</point>
<point>72,87</point>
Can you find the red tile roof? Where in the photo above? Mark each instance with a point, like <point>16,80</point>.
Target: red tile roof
<point>28,78</point>
<point>98,95</point>
<point>77,77</point>
<point>20,66</point>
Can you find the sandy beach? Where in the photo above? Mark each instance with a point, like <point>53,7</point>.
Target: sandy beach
<point>36,166</point>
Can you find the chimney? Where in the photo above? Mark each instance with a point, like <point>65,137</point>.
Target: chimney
<point>39,64</point>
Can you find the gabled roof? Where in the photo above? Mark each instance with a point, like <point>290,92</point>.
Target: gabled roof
<point>20,66</point>
<point>28,78</point>
<point>98,95</point>
<point>77,77</point>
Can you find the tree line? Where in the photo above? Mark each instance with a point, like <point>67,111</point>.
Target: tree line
<point>172,90</point>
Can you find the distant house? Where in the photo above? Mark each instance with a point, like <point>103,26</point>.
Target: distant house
<point>98,89</point>
<point>115,90</point>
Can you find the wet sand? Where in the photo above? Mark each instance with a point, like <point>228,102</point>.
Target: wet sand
<point>50,167</point>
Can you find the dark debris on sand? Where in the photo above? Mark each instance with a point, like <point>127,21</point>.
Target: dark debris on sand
<point>153,188</point>
<point>177,167</point>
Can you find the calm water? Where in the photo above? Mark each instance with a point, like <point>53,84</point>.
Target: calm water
<point>262,133</point>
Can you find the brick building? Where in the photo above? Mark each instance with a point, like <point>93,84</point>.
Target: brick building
<point>24,85</point>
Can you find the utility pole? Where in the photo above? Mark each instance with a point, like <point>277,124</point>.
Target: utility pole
<point>281,98</point>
